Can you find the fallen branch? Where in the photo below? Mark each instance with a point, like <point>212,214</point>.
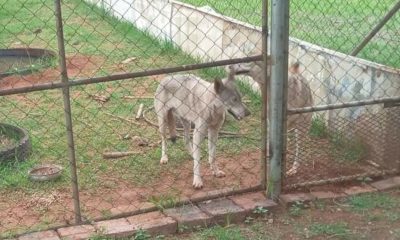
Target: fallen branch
<point>121,118</point>
<point>108,155</point>
<point>138,97</point>
<point>373,163</point>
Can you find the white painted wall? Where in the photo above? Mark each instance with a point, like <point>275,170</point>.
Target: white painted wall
<point>334,77</point>
<point>201,32</point>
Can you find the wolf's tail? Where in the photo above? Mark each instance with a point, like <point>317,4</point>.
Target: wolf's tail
<point>171,125</point>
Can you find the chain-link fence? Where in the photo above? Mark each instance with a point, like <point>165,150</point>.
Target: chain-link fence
<point>109,58</point>
<point>349,135</point>
<point>95,84</point>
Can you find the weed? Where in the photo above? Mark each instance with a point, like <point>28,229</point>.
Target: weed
<point>296,209</point>
<point>248,220</point>
<point>222,233</point>
<point>164,201</point>
<point>260,210</point>
<point>318,127</point>
<point>340,230</point>
<point>365,202</point>
<point>320,204</point>
<point>141,235</point>
<point>347,149</point>
<point>182,228</point>
<point>344,148</point>
<point>392,215</point>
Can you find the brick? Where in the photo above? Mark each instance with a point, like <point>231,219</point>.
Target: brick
<point>45,235</point>
<point>393,182</point>
<point>223,211</point>
<point>359,189</point>
<point>116,228</point>
<point>251,201</point>
<point>154,223</point>
<point>327,195</point>
<point>189,216</point>
<point>77,232</point>
<point>288,199</point>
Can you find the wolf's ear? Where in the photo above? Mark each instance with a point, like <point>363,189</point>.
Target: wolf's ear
<point>218,85</point>
<point>295,67</point>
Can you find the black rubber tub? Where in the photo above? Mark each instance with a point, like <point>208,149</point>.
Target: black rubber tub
<point>24,60</point>
<point>20,148</point>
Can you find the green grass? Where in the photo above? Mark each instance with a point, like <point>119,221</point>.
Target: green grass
<point>367,202</point>
<point>339,230</point>
<point>338,25</point>
<point>91,32</point>
<point>329,222</point>
<point>221,233</point>
<point>342,147</point>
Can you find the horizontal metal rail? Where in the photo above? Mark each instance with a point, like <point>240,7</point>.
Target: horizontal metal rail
<point>123,76</point>
<point>343,105</point>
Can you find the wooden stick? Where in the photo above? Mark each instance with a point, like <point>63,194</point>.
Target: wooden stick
<point>108,155</point>
<point>373,163</point>
<point>121,118</point>
<point>138,97</point>
<point>139,112</point>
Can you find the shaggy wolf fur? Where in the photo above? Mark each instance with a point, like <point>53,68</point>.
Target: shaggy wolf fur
<point>196,101</point>
<point>299,95</point>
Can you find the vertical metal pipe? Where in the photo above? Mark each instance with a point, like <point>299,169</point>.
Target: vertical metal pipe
<point>264,95</point>
<point>376,29</point>
<point>67,112</point>
<point>278,93</point>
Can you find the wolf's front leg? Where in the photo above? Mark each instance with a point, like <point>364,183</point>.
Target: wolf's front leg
<point>212,145</point>
<point>198,137</point>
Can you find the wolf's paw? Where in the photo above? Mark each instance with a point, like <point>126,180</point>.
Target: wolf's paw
<point>164,160</point>
<point>197,183</point>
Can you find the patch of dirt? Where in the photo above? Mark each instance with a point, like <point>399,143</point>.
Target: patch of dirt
<point>78,66</point>
<point>317,163</point>
<point>26,211</point>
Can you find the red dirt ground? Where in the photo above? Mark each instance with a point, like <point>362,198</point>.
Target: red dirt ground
<point>77,66</point>
<point>26,210</point>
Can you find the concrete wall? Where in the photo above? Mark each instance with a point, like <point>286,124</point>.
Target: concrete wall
<point>201,32</point>
<point>334,77</point>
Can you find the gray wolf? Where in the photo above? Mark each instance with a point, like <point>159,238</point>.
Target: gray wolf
<point>197,101</point>
<point>299,95</point>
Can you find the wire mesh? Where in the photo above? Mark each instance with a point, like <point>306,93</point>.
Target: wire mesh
<point>115,123</point>
<point>117,148</point>
<point>351,143</point>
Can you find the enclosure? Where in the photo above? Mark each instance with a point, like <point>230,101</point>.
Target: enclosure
<point>92,97</point>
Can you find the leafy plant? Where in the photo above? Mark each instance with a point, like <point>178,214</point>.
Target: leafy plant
<point>260,210</point>
<point>141,235</point>
<point>335,229</point>
<point>296,209</point>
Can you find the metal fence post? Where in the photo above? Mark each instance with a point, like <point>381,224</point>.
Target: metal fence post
<point>278,91</point>
<point>264,95</point>
<point>67,111</point>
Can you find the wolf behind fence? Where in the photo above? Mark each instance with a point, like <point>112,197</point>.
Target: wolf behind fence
<point>299,95</point>
<point>194,100</point>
